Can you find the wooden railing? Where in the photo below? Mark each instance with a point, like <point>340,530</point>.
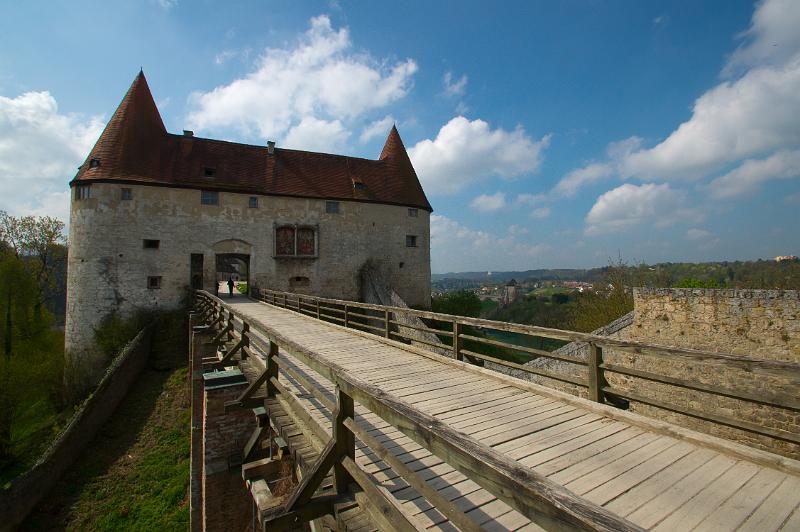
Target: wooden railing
<point>453,331</point>
<point>533,495</point>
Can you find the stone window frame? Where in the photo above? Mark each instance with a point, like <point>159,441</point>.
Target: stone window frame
<point>333,207</point>
<point>276,226</point>
<point>151,243</point>
<point>154,282</point>
<point>209,197</point>
<point>413,212</point>
<point>126,194</point>
<point>412,241</point>
<point>252,202</point>
<point>83,192</point>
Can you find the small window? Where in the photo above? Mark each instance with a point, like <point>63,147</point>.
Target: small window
<point>411,241</point>
<point>209,197</point>
<point>413,213</point>
<point>332,207</point>
<point>150,244</point>
<point>254,202</point>
<point>358,185</point>
<point>94,163</point>
<point>154,282</point>
<point>83,192</point>
<point>209,172</point>
<point>127,194</point>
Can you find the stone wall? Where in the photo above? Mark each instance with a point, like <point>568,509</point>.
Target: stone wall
<point>26,491</point>
<point>756,323</point>
<point>108,267</point>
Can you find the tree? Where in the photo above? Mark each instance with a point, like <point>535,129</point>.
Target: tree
<point>611,298</point>
<point>39,242</point>
<point>459,303</point>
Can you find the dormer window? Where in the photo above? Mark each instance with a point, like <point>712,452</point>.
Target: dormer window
<point>94,163</point>
<point>358,185</point>
<point>209,172</point>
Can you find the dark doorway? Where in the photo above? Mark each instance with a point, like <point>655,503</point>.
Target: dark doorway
<point>196,271</point>
<point>233,267</point>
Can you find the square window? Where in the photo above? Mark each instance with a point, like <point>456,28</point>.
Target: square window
<point>209,172</point>
<point>150,244</point>
<point>284,241</point>
<point>209,197</point>
<point>332,207</point>
<point>253,202</point>
<point>411,241</point>
<point>127,194</point>
<point>82,192</point>
<point>306,244</point>
<point>413,213</point>
<point>154,282</point>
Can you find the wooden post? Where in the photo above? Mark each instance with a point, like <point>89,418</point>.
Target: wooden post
<point>285,300</point>
<point>245,339</point>
<point>345,440</point>
<point>386,321</point>
<point>346,318</point>
<point>457,341</point>
<point>299,303</point>
<point>272,369</point>
<point>317,301</point>
<point>596,376</point>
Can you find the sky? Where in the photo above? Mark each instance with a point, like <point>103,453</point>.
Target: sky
<point>545,134</point>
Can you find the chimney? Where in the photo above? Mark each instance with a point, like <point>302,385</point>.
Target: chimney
<point>271,147</point>
<point>188,133</point>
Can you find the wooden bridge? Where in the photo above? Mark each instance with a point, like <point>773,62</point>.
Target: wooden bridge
<point>390,436</point>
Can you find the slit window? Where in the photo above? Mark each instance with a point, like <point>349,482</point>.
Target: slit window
<point>154,282</point>
<point>209,172</point>
<point>411,241</point>
<point>127,194</point>
<point>83,192</point>
<point>413,213</point>
<point>209,197</point>
<point>253,202</point>
<point>332,207</point>
<point>150,244</point>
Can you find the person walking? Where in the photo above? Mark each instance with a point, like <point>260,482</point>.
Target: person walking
<point>230,286</point>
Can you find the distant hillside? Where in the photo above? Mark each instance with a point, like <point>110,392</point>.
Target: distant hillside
<point>766,274</point>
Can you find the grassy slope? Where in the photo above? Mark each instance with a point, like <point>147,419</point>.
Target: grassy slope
<point>135,474</point>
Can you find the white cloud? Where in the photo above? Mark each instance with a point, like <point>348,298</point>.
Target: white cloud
<point>591,173</point>
<point>530,199</point>
<point>453,88</point>
<point>456,247</point>
<point>773,36</point>
<point>540,213</point>
<point>698,234</point>
<point>314,134</point>
<point>628,206</point>
<point>489,202</point>
<point>749,116</point>
<point>36,141</point>
<point>752,172</point>
<point>222,57</point>
<point>517,230</point>
<point>465,151</point>
<point>321,76</point>
<point>40,150</point>
<point>377,128</point>
<point>733,120</point>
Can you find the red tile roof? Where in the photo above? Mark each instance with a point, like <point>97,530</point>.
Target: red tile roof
<point>136,148</point>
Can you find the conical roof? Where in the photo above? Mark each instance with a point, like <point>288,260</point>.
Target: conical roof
<point>399,166</point>
<point>132,139</point>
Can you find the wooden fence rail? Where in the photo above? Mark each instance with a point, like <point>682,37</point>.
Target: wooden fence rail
<point>455,336</point>
<point>541,500</point>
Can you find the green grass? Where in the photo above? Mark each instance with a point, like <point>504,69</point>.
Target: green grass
<point>548,291</point>
<point>135,474</point>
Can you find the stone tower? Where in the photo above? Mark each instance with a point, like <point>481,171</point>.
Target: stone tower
<point>154,213</point>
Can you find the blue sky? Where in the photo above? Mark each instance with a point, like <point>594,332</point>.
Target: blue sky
<point>546,134</point>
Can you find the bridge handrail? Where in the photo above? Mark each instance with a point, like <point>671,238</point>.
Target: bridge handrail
<point>599,389</point>
<point>541,500</point>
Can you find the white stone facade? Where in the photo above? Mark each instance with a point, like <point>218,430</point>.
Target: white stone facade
<point>109,266</point>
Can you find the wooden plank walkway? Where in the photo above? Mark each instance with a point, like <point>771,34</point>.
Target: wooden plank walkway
<point>656,477</point>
